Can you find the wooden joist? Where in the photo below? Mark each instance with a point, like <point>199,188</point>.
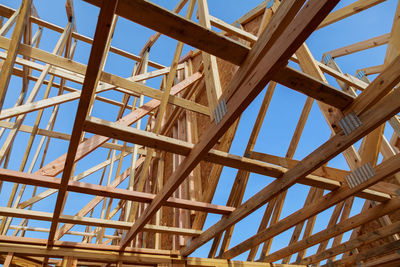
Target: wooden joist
<point>7,12</point>
<point>166,192</point>
<point>129,134</point>
<point>243,94</point>
<point>180,28</point>
<point>98,190</point>
<point>115,82</point>
<point>92,143</point>
<point>128,257</point>
<point>311,87</point>
<point>47,216</point>
<point>91,79</point>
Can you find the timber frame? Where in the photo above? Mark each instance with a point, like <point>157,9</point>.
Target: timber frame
<point>147,177</point>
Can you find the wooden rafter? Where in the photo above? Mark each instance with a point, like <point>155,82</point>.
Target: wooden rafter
<point>150,172</point>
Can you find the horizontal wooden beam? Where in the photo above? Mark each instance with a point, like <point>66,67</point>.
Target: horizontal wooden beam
<point>67,137</point>
<point>232,29</point>
<point>87,246</point>
<point>7,12</point>
<point>48,216</point>
<point>180,28</point>
<point>312,87</point>
<point>164,143</point>
<point>132,135</point>
<point>58,72</point>
<point>115,82</point>
<point>107,254</point>
<point>98,190</point>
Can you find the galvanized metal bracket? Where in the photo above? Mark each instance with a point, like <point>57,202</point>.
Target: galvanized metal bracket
<point>350,122</point>
<point>360,74</point>
<point>220,111</point>
<point>360,175</point>
<point>327,58</point>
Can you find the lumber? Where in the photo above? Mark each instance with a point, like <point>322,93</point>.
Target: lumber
<point>89,85</point>
<point>153,150</point>
<point>13,49</point>
<point>353,48</point>
<point>373,117</point>
<point>180,28</point>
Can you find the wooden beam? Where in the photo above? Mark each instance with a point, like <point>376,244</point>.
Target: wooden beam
<point>392,260</point>
<point>8,260</point>
<point>346,78</point>
<point>370,253</point>
<point>79,245</point>
<point>312,87</point>
<point>70,219</point>
<point>7,12</point>
<point>371,119</point>
<point>55,167</point>
<point>180,28</point>
<point>91,78</point>
<point>116,82</point>
<point>382,171</point>
<point>324,171</point>
<point>40,104</point>
<point>232,29</point>
<point>16,36</point>
<point>134,257</point>
<point>129,134</point>
<point>373,69</point>
<point>106,191</point>
<point>361,240</point>
<point>243,94</point>
<point>357,220</point>
<point>353,48</point>
<point>211,73</point>
<point>10,22</point>
<point>348,11</point>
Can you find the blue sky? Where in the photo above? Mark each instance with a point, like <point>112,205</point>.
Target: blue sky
<point>279,124</point>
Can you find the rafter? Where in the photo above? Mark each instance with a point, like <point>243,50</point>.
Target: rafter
<point>151,164</point>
